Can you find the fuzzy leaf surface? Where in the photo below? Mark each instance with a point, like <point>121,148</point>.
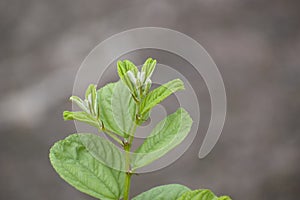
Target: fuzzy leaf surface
<point>201,195</point>
<point>164,192</point>
<point>159,94</point>
<point>82,117</point>
<point>74,163</point>
<point>167,134</point>
<point>117,108</point>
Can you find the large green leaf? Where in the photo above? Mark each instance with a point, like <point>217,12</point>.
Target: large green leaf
<point>164,192</point>
<point>104,151</point>
<point>167,134</point>
<point>201,195</point>
<point>117,108</point>
<point>73,162</point>
<point>159,94</point>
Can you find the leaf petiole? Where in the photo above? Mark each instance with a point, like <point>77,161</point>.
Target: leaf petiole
<point>109,133</point>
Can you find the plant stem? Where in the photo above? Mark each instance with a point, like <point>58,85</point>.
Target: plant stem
<point>128,173</point>
<point>131,136</point>
<point>127,186</point>
<point>127,147</point>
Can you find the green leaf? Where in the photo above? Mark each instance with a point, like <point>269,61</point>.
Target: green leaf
<point>80,103</point>
<point>79,168</point>
<point>104,151</point>
<point>201,195</point>
<point>159,94</point>
<point>123,68</point>
<point>117,108</point>
<point>167,134</point>
<point>149,67</point>
<point>89,107</point>
<point>82,117</point>
<point>90,90</point>
<point>91,99</point>
<point>198,195</point>
<point>167,192</point>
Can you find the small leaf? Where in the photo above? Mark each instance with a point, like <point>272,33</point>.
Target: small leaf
<point>117,108</point>
<point>90,90</point>
<point>125,67</point>
<point>198,195</point>
<point>91,99</point>
<point>81,104</point>
<point>167,192</point>
<point>82,117</point>
<point>149,67</point>
<point>89,107</point>
<point>159,94</point>
<point>167,134</point>
<point>73,162</point>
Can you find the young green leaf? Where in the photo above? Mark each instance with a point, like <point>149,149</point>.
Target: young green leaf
<point>82,117</point>
<point>198,195</point>
<point>89,106</point>
<point>125,67</point>
<point>73,162</point>
<point>159,94</point>
<point>91,99</point>
<point>170,192</point>
<point>80,103</point>
<point>117,108</point>
<point>167,134</point>
<point>149,67</point>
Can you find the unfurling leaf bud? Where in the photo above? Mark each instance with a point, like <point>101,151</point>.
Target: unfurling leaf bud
<point>138,82</point>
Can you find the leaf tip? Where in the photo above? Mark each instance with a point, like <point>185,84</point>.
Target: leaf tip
<point>67,115</point>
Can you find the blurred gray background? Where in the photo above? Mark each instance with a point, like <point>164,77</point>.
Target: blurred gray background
<point>256,45</point>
